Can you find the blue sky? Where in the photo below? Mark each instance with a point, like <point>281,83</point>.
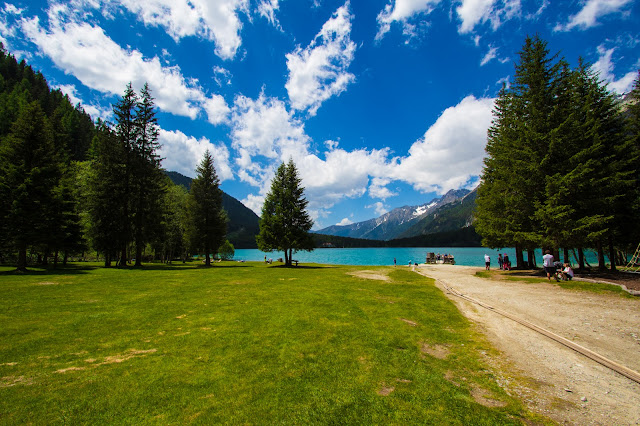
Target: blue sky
<point>381,103</point>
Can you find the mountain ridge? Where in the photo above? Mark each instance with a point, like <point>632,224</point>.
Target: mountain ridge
<point>399,222</point>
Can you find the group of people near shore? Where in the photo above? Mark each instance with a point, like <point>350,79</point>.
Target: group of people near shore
<point>503,262</point>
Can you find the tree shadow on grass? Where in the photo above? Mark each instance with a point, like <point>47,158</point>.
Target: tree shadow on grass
<point>73,269</point>
<point>301,267</point>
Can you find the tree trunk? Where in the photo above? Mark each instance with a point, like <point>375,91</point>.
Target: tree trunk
<point>601,264</point>
<point>612,254</point>
<point>55,260</point>
<point>519,257</point>
<point>123,257</point>
<point>566,255</point>
<point>107,259</point>
<point>531,258</point>
<point>138,255</point>
<point>581,258</point>
<point>22,258</point>
<point>287,261</point>
<point>65,258</point>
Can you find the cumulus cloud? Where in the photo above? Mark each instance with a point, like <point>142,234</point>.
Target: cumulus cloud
<point>604,67</point>
<point>319,71</point>
<point>265,133</point>
<point>378,207</point>
<point>216,20</point>
<point>449,156</point>
<point>451,151</point>
<point>402,11</point>
<point>592,10</point>
<point>182,153</point>
<point>344,222</point>
<point>87,53</point>
<point>474,12</point>
<point>378,188</point>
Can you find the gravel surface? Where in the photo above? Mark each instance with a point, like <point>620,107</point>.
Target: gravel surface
<point>551,378</point>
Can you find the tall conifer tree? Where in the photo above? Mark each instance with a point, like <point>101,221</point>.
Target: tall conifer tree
<point>30,173</point>
<point>208,218</point>
<point>285,223</point>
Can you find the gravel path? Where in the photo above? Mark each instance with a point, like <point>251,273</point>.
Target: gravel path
<point>551,378</point>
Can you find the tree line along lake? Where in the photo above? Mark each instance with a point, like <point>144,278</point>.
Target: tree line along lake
<point>466,256</point>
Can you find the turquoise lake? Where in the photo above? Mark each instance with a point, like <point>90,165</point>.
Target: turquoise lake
<point>467,256</point>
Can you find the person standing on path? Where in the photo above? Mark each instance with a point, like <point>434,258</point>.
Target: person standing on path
<point>547,263</point>
<point>394,262</point>
<point>487,262</point>
<point>500,261</point>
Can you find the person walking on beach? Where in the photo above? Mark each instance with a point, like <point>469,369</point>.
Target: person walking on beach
<point>487,262</point>
<point>500,261</point>
<point>547,263</point>
<point>394,262</point>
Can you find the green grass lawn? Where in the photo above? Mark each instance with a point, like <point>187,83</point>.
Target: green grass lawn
<point>240,343</point>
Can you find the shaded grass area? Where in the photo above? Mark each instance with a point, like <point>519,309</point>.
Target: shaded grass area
<point>575,284</point>
<point>243,344</point>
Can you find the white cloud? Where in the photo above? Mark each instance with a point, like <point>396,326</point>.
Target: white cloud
<point>264,134</point>
<point>491,54</point>
<point>593,9</point>
<point>215,20</point>
<point>183,153</point>
<point>378,188</point>
<point>265,127</point>
<point>451,151</point>
<point>87,53</point>
<point>344,222</point>
<point>474,12</point>
<point>378,207</point>
<point>402,11</point>
<point>267,9</point>
<point>319,71</point>
<point>604,67</point>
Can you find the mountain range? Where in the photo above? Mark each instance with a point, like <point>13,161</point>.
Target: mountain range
<point>450,212</point>
<point>444,222</point>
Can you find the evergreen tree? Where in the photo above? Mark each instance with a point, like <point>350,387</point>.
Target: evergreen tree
<point>632,114</point>
<point>207,217</point>
<point>148,184</point>
<point>106,198</point>
<point>30,174</point>
<point>285,224</point>
<point>124,112</point>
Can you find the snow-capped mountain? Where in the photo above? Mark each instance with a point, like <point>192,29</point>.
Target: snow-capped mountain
<point>398,222</point>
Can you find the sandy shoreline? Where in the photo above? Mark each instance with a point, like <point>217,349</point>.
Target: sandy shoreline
<point>551,378</point>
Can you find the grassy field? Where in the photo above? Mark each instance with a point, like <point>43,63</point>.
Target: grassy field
<point>240,343</point>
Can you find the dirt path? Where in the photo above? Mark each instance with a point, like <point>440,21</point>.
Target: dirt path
<point>551,378</point>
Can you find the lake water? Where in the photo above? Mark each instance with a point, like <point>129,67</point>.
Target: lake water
<point>467,256</point>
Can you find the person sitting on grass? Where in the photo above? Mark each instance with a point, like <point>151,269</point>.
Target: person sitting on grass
<point>567,272</point>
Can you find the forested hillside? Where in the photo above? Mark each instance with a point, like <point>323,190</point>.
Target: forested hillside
<point>70,187</point>
<point>242,227</point>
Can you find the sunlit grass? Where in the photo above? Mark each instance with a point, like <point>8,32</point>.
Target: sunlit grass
<point>240,343</point>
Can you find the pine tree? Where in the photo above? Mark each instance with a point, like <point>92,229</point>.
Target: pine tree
<point>106,198</point>
<point>208,218</point>
<point>284,223</point>
<point>30,174</point>
<point>148,181</point>
<point>125,131</point>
